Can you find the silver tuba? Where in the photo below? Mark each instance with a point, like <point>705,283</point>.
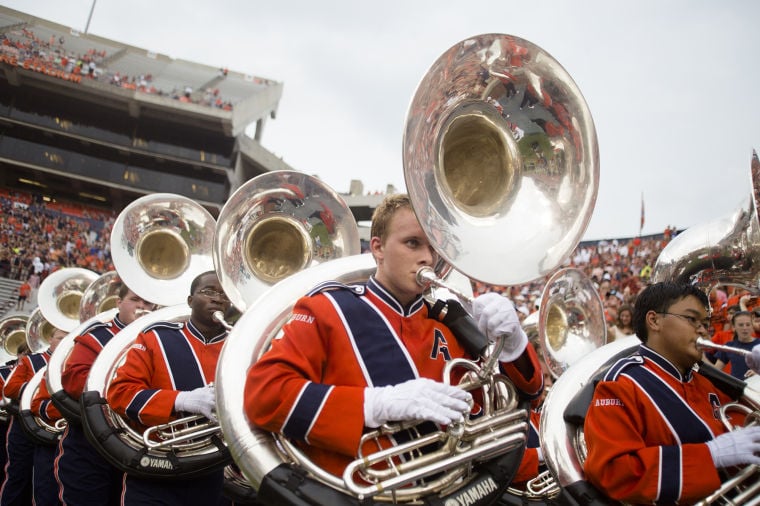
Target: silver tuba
<point>470,175</point>
<point>98,304</point>
<point>60,296</point>
<point>12,339</point>
<point>12,336</point>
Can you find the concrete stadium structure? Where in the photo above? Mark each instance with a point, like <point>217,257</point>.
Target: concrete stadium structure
<point>137,123</point>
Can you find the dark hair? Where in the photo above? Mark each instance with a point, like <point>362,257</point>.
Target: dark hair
<point>659,297</point>
<point>197,281</point>
<point>123,290</point>
<point>738,314</point>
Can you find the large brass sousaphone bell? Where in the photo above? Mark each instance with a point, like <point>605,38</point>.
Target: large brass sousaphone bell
<point>570,320</point>
<point>275,225</point>
<point>12,336</point>
<point>159,243</point>
<point>60,296</point>
<point>503,188</point>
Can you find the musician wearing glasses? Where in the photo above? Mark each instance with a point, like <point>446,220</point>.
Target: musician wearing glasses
<point>653,430</point>
<point>84,476</point>
<point>167,374</point>
<point>352,358</point>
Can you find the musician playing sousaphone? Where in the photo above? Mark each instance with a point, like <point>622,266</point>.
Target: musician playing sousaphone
<point>653,429</point>
<point>355,357</point>
<point>85,477</point>
<point>168,372</point>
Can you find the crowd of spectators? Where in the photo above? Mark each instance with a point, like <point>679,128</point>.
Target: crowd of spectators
<point>38,237</point>
<point>31,51</point>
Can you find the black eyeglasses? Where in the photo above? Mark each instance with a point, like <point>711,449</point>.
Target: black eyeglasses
<point>694,322</point>
<point>213,294</point>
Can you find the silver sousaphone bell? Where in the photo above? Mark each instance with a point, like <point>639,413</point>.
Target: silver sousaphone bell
<point>159,243</point>
<point>275,225</point>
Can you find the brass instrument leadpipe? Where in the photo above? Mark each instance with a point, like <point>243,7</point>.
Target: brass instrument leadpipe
<point>706,343</point>
<point>426,276</point>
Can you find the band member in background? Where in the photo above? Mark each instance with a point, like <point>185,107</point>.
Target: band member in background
<point>84,476</point>
<point>5,418</point>
<point>653,429</point>
<point>17,487</point>
<point>43,482</point>
<point>353,358</point>
<point>167,374</point>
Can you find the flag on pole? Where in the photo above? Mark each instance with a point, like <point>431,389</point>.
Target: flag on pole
<point>641,226</point>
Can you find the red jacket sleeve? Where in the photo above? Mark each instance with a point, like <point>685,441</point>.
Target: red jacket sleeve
<point>21,374</point>
<point>42,405</point>
<point>134,393</point>
<point>531,386</point>
<point>296,361</point>
<point>77,366</point>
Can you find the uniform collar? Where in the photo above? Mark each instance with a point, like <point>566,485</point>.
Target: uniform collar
<point>197,334</point>
<point>665,364</point>
<point>374,286</point>
<point>120,324</point>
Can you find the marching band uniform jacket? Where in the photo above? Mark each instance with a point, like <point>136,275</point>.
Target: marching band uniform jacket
<point>23,372</point>
<point>339,340</point>
<point>42,404</point>
<point>646,431</point>
<point>165,359</point>
<point>86,349</point>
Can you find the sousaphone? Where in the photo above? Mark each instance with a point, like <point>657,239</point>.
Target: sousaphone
<point>60,296</point>
<point>97,305</point>
<point>499,206</point>
<point>159,244</point>
<point>12,336</point>
<point>275,225</point>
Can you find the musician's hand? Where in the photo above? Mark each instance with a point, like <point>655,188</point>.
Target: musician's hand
<point>417,399</point>
<point>753,360</point>
<point>201,401</point>
<point>740,446</point>
<point>496,316</point>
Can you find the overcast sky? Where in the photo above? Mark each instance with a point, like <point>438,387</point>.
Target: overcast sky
<point>672,85</point>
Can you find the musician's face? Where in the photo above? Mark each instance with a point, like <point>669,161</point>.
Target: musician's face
<point>743,328</point>
<point>56,339</point>
<point>403,252</point>
<point>675,337</point>
<point>132,306</point>
<point>206,300</point>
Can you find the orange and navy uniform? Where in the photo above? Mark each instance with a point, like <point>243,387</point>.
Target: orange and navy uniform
<point>23,372</point>
<point>42,405</point>
<point>340,340</point>
<point>83,354</point>
<point>646,431</point>
<point>165,359</point>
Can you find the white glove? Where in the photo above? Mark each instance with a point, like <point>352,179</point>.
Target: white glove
<point>753,360</point>
<point>740,446</point>
<point>496,316</point>
<point>417,399</point>
<point>201,401</point>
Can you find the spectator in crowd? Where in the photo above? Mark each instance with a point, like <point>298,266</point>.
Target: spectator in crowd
<point>743,339</point>
<point>23,294</point>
